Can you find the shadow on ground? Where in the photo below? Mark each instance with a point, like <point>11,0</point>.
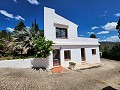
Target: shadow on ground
<point>109,88</point>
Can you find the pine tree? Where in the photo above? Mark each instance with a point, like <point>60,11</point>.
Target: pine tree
<point>35,27</point>
<point>20,26</point>
<point>118,28</point>
<point>3,34</point>
<point>93,36</point>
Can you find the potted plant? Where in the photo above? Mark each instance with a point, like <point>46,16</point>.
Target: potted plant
<point>72,65</point>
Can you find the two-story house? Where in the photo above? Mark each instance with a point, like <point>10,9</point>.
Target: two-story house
<point>68,46</point>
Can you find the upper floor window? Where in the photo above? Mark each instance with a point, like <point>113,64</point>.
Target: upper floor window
<point>61,33</point>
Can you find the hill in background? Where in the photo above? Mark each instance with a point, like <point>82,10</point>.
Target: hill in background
<point>108,43</point>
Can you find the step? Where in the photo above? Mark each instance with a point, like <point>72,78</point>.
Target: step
<point>58,69</point>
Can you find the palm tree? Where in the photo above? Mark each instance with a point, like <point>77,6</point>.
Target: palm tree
<point>24,40</point>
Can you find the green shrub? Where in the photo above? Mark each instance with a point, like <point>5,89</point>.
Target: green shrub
<point>43,47</point>
<point>112,53</point>
<point>115,53</point>
<point>72,63</point>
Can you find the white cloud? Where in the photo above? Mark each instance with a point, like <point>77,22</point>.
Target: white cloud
<point>90,33</point>
<point>5,13</point>
<point>110,26</point>
<point>35,2</point>
<point>103,32</point>
<point>19,18</point>
<point>94,27</point>
<point>10,29</point>
<point>117,14</point>
<point>111,39</point>
<point>15,1</point>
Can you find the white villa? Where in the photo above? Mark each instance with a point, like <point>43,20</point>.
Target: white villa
<point>68,46</point>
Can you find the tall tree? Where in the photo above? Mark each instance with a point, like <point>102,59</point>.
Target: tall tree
<point>20,26</point>
<point>3,34</point>
<point>34,30</point>
<point>5,39</point>
<point>24,39</point>
<point>34,27</point>
<point>93,36</point>
<point>118,28</point>
<point>19,34</point>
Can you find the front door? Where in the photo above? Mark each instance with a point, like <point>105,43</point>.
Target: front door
<point>56,57</point>
<point>83,54</point>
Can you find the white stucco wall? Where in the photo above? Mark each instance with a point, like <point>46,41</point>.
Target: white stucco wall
<point>73,42</point>
<point>16,63</point>
<point>76,54</point>
<point>52,20</point>
<point>92,58</point>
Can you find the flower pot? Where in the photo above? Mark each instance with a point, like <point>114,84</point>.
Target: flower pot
<point>72,65</point>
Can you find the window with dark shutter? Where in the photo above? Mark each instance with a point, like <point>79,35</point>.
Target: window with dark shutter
<point>93,51</point>
<point>67,55</point>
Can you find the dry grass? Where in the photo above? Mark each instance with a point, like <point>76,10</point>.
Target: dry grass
<point>6,58</point>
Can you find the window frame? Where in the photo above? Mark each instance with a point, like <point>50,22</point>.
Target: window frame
<point>60,37</point>
<point>93,51</point>
<point>68,55</point>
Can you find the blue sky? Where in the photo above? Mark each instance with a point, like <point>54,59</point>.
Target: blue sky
<point>92,16</point>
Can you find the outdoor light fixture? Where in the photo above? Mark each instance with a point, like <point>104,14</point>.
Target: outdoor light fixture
<point>60,48</point>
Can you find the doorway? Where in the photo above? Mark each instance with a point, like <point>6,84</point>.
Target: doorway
<point>56,57</point>
<point>83,54</point>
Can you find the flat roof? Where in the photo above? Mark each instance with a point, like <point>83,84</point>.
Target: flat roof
<point>81,44</point>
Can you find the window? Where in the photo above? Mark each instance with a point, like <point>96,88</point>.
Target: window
<point>61,33</point>
<point>67,55</point>
<point>93,51</point>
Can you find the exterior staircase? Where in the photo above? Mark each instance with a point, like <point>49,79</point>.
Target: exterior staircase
<point>57,69</point>
<point>85,65</point>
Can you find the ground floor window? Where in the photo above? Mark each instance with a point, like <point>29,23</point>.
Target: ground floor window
<point>93,51</point>
<point>67,55</point>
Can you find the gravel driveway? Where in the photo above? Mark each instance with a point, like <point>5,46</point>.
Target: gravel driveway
<point>91,79</point>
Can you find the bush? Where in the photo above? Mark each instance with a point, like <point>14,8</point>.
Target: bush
<point>112,53</point>
<point>106,52</point>
<point>115,53</point>
<point>43,47</point>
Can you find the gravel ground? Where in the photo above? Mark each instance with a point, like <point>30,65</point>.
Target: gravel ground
<point>90,79</point>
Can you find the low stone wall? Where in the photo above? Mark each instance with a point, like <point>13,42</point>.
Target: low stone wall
<point>25,63</point>
<point>17,63</point>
